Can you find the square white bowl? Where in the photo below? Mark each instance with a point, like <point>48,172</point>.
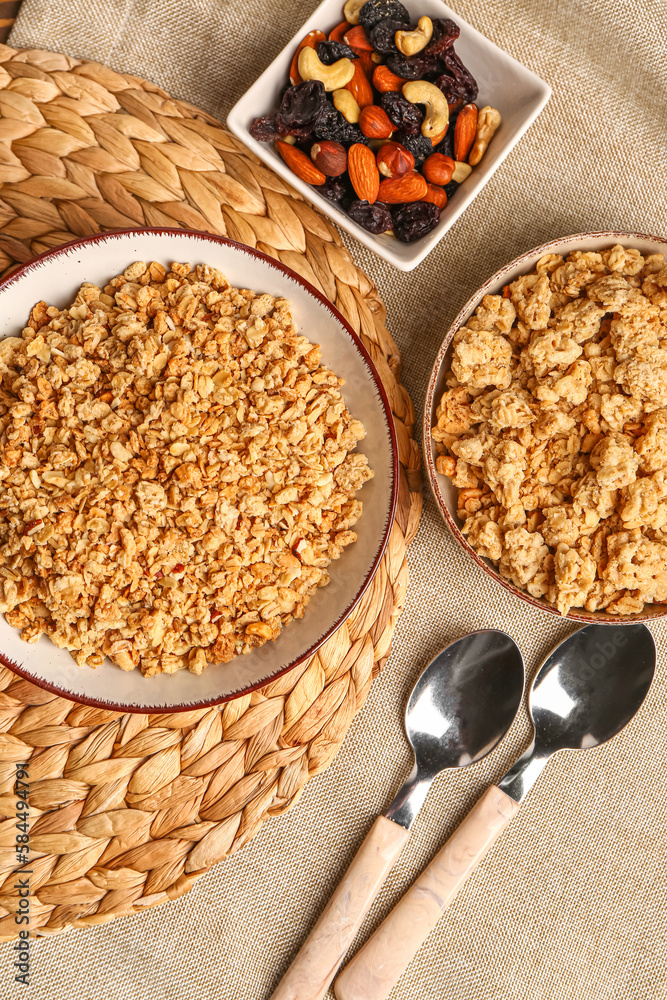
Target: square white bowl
<point>504,84</point>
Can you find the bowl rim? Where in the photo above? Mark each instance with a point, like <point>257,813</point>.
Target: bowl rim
<point>552,246</point>
<point>110,234</point>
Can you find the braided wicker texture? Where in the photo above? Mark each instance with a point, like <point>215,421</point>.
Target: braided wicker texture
<point>127,811</point>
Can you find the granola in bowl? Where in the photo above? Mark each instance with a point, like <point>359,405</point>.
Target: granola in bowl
<point>553,429</point>
<point>177,471</point>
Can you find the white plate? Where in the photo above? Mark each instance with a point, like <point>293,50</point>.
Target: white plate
<point>55,277</point>
<point>444,491</point>
<point>504,83</point>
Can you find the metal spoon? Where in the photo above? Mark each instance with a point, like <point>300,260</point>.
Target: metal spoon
<point>586,691</point>
<point>460,708</point>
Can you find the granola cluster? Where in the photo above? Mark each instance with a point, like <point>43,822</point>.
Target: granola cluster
<point>177,470</point>
<point>554,430</point>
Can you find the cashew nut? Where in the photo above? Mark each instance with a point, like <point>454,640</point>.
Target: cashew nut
<point>488,121</point>
<point>344,101</point>
<point>437,109</point>
<point>333,77</point>
<point>412,42</point>
<point>461,172</point>
<point>351,10</point>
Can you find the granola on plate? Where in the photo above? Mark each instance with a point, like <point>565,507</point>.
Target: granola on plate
<point>177,471</point>
<point>554,429</point>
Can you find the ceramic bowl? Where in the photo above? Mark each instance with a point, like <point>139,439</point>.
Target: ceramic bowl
<point>55,277</point>
<point>444,492</point>
<point>504,83</point>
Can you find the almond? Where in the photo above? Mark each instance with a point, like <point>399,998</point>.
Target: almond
<point>384,80</point>
<point>336,35</point>
<point>465,131</point>
<point>329,157</point>
<point>300,164</point>
<point>359,86</point>
<point>393,160</point>
<point>374,122</point>
<point>438,168</point>
<point>357,39</point>
<point>311,41</point>
<point>436,195</point>
<point>409,187</point>
<point>363,172</point>
<point>367,64</point>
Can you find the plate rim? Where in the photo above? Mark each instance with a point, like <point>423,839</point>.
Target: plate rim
<point>108,235</point>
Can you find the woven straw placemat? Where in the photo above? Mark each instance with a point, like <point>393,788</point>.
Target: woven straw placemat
<point>127,811</point>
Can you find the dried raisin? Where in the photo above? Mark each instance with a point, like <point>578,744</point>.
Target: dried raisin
<point>446,146</point>
<point>302,105</point>
<point>419,145</point>
<point>450,189</point>
<point>464,86</point>
<point>375,218</point>
<point>407,67</point>
<point>268,128</point>
<point>380,10</point>
<point>383,34</point>
<point>334,188</point>
<point>414,220</point>
<point>401,112</point>
<point>332,125</point>
<point>445,33</point>
<point>330,52</point>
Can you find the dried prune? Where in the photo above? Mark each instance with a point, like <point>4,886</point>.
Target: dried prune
<point>414,220</point>
<point>382,35</point>
<point>445,33</point>
<point>407,67</point>
<point>334,188</point>
<point>332,125</point>
<point>302,105</point>
<point>380,10</point>
<point>330,52</point>
<point>419,145</point>
<point>400,112</point>
<point>375,218</point>
<point>450,189</point>
<point>464,85</point>
<point>268,128</point>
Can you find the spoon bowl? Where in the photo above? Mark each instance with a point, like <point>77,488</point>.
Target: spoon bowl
<point>464,701</point>
<point>591,685</point>
<point>462,705</point>
<point>585,692</point>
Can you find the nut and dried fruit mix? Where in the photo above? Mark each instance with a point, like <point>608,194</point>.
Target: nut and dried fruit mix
<point>379,116</point>
<point>177,471</point>
<point>554,429</point>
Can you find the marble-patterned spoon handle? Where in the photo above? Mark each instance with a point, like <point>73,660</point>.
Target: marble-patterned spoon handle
<point>373,972</point>
<point>311,972</point>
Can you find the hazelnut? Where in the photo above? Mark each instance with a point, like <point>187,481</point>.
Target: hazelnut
<point>329,157</point>
<point>393,160</point>
<point>438,168</point>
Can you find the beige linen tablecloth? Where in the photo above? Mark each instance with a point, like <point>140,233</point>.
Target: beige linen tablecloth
<point>570,905</point>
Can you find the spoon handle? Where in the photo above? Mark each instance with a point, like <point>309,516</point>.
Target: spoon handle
<point>311,972</point>
<point>373,972</point>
